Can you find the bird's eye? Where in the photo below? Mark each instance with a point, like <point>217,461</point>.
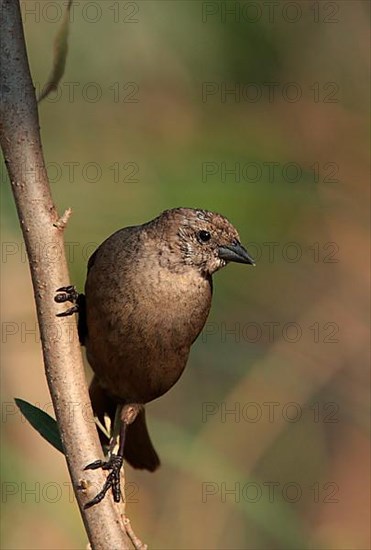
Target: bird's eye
<point>204,236</point>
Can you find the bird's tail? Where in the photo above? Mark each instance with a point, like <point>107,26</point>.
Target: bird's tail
<point>138,449</point>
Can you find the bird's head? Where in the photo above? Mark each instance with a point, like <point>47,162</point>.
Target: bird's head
<point>203,239</point>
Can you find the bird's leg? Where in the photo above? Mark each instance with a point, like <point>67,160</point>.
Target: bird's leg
<point>67,294</point>
<point>115,461</point>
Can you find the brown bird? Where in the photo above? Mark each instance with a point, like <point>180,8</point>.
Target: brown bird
<point>147,297</point>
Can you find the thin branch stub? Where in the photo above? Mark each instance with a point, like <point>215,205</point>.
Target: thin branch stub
<point>63,220</point>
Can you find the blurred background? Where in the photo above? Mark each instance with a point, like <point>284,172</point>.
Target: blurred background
<point>259,111</point>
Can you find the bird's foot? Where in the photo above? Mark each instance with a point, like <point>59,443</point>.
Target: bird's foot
<point>67,294</point>
<point>113,480</point>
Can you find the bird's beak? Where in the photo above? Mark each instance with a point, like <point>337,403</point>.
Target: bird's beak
<point>235,253</point>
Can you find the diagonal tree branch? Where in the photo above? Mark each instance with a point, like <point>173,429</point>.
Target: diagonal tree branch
<point>21,144</point>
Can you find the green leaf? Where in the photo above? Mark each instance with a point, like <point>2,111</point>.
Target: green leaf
<point>42,422</point>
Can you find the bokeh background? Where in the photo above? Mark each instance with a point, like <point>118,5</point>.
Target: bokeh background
<point>260,113</point>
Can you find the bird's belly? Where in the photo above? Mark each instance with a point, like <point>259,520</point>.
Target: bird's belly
<point>136,371</point>
<point>138,345</point>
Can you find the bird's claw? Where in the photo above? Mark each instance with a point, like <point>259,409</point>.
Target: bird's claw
<point>96,464</point>
<point>67,294</point>
<point>113,480</point>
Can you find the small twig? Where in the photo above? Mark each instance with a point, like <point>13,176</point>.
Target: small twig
<point>106,428</point>
<point>63,220</point>
<point>137,543</point>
